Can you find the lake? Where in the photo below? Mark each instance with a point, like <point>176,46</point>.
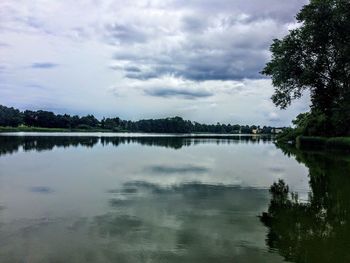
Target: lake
<point>165,198</point>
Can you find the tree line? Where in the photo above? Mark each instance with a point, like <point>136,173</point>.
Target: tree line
<point>11,117</point>
<point>315,57</point>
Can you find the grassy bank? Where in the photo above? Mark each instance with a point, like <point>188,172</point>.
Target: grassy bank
<point>38,129</point>
<point>331,143</point>
<point>91,129</point>
<point>295,137</point>
<point>323,143</point>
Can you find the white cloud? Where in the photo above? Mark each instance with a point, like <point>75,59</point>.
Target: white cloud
<point>135,59</point>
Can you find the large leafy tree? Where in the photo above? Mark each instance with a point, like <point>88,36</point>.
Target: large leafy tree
<point>316,57</point>
<point>10,116</point>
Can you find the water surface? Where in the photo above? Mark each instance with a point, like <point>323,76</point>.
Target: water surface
<point>98,198</point>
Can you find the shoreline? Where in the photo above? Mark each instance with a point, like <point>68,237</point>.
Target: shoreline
<point>319,143</point>
<point>16,130</point>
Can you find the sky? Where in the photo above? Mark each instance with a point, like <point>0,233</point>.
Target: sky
<point>198,59</point>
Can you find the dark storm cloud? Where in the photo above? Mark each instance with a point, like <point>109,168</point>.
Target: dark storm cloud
<point>193,24</point>
<point>132,69</point>
<point>43,65</point>
<point>163,169</point>
<point>4,45</point>
<point>143,75</point>
<point>190,54</point>
<point>122,34</point>
<point>281,10</point>
<point>41,189</point>
<point>181,93</point>
<point>214,40</point>
<point>201,64</point>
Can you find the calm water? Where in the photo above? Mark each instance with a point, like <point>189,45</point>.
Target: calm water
<point>169,199</point>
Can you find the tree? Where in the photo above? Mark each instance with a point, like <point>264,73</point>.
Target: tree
<point>10,116</point>
<point>89,120</point>
<point>316,57</point>
<point>110,123</point>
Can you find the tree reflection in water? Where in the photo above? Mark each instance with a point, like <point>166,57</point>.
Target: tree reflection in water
<point>12,144</point>
<point>317,230</point>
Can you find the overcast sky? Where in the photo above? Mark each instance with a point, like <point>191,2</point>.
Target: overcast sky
<point>198,59</point>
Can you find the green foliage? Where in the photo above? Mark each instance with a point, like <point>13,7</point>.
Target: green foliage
<point>83,127</point>
<point>10,116</point>
<point>311,142</point>
<point>46,119</point>
<point>310,124</point>
<point>23,128</point>
<point>307,125</point>
<point>301,120</point>
<point>323,143</point>
<point>288,135</point>
<point>316,57</point>
<point>88,121</point>
<point>279,191</point>
<point>316,124</point>
<point>338,143</point>
<point>110,123</point>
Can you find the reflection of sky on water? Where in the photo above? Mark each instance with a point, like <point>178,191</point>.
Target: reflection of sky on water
<point>185,223</point>
<point>193,203</point>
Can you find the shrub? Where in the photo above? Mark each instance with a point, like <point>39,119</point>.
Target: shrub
<point>339,143</point>
<point>83,127</point>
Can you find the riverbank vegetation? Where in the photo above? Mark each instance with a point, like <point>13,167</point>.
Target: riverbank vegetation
<point>14,120</point>
<point>314,58</point>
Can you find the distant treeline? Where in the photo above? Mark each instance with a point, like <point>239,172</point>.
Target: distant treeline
<point>11,117</point>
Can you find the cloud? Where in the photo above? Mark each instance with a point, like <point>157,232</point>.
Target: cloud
<point>215,47</point>
<point>163,169</point>
<point>182,93</point>
<point>4,45</point>
<point>43,65</point>
<point>124,34</point>
<point>132,69</point>
<point>201,57</point>
<point>273,117</point>
<point>168,87</point>
<point>41,189</point>
<point>282,11</point>
<point>194,40</point>
<point>2,68</point>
